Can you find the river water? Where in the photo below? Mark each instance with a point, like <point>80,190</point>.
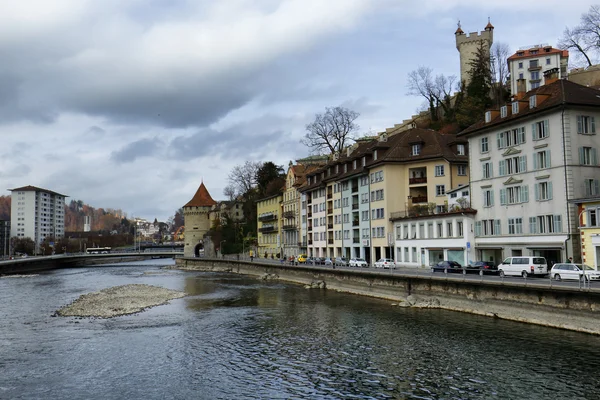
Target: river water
<point>233,337</point>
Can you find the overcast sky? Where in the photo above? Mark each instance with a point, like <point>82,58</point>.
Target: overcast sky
<point>130,104</point>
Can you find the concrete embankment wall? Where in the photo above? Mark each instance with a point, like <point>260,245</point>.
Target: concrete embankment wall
<point>557,307</point>
<point>31,265</point>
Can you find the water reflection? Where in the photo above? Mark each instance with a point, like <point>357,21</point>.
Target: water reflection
<point>236,337</point>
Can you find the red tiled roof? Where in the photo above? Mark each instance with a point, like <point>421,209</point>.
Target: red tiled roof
<point>560,92</point>
<point>201,198</point>
<point>537,52</point>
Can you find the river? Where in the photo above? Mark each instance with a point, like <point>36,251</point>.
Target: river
<point>234,337</point>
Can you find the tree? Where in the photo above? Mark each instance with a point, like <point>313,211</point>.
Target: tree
<point>437,91</point>
<point>331,131</point>
<point>584,39</point>
<point>266,174</point>
<point>499,72</point>
<point>242,178</point>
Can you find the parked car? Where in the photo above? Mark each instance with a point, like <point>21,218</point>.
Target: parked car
<point>566,271</point>
<point>327,261</point>
<point>488,267</point>
<point>385,263</point>
<point>319,260</point>
<point>451,266</point>
<point>310,260</point>
<point>524,266</point>
<point>358,262</point>
<point>341,261</point>
<point>301,258</point>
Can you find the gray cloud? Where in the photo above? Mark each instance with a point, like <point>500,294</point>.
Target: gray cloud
<point>134,150</point>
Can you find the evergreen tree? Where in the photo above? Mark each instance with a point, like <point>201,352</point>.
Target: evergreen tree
<point>477,97</point>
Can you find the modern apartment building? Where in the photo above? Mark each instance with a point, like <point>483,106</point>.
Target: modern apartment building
<point>374,179</point>
<point>37,213</point>
<point>531,63</point>
<point>528,160</point>
<point>269,218</point>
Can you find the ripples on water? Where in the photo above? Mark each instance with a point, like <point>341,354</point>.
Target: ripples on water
<point>235,337</point>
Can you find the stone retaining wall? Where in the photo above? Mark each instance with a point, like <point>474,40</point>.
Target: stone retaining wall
<point>557,307</point>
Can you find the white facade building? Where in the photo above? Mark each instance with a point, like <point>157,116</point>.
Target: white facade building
<point>37,213</point>
<point>527,161</point>
<point>531,64</point>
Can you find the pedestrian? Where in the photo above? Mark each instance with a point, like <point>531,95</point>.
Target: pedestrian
<point>570,260</point>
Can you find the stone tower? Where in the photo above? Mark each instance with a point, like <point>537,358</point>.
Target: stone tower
<point>196,216</point>
<point>467,47</point>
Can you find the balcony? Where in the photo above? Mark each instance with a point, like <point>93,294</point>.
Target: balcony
<point>419,199</point>
<point>290,227</point>
<point>355,240</point>
<point>329,226</point>
<point>329,211</point>
<point>289,214</point>
<point>309,214</point>
<point>267,217</point>
<point>355,223</point>
<point>355,206</point>
<point>414,181</point>
<point>301,244</point>
<point>330,241</point>
<point>268,229</point>
<point>310,241</point>
<point>329,195</point>
<point>309,228</point>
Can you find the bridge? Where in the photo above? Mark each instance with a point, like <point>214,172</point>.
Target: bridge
<point>45,263</point>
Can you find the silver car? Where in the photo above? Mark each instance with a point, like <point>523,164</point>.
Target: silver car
<point>565,271</point>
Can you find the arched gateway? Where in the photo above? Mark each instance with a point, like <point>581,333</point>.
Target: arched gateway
<point>196,214</point>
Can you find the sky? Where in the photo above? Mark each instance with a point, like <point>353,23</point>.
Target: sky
<point>131,104</point>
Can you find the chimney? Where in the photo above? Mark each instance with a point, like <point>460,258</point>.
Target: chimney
<point>550,76</point>
<point>521,89</point>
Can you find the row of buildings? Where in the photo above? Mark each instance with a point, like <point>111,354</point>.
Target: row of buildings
<point>523,181</point>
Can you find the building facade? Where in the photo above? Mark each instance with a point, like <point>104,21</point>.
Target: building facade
<point>268,213</point>
<point>468,45</point>
<point>589,225</point>
<point>196,214</point>
<point>37,213</point>
<point>528,160</point>
<point>530,64</point>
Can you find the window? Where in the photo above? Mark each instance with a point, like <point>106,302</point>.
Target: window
<point>365,215</point>
<point>416,149</point>
<point>377,176</point>
<point>421,231</point>
<point>513,165</point>
<point>521,65</point>
<point>488,116</point>
<point>462,170</point>
<point>520,75</point>
<point>487,170</point>
<point>543,191</point>
<point>541,160</point>
<point>503,112</point>
<point>514,195</point>
<point>533,63</point>
<point>515,104</point>
<point>440,190</point>
<point>454,195</point>
<point>488,198</point>
<point>439,170</point>
<point>535,76</point>
<point>545,224</point>
<point>460,149</point>
<point>515,226</point>
<point>377,195</point>
<point>440,230</point>
<point>449,229</point>
<point>547,61</point>
<point>588,156</point>
<point>374,156</point>
<point>377,213</point>
<point>465,193</point>
<point>484,145</point>
<point>539,130</point>
<point>487,227</point>
<point>459,228</point>
<point>511,138</point>
<point>585,124</point>
<point>592,187</point>
<point>535,85</point>
<point>592,217</point>
<point>532,101</point>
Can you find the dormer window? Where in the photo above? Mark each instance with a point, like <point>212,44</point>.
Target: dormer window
<point>328,171</point>
<point>364,161</point>
<point>337,168</point>
<point>460,149</point>
<point>345,168</point>
<point>354,164</point>
<point>533,101</point>
<point>322,175</point>
<point>375,155</point>
<point>309,180</point>
<point>515,107</point>
<point>488,116</point>
<point>503,111</point>
<point>416,149</point>
<point>520,53</point>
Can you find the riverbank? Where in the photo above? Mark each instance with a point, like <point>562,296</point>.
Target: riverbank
<point>562,308</point>
<point>119,300</point>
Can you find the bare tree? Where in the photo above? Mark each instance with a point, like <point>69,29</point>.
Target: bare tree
<point>331,131</point>
<point>437,90</point>
<point>242,178</point>
<point>585,37</point>
<point>499,70</point>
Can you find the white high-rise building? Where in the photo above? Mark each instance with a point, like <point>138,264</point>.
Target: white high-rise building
<point>37,213</point>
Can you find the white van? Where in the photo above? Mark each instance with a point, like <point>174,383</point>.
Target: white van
<point>524,266</point>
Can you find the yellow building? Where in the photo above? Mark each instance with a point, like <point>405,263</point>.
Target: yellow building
<point>589,224</point>
<point>269,215</point>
